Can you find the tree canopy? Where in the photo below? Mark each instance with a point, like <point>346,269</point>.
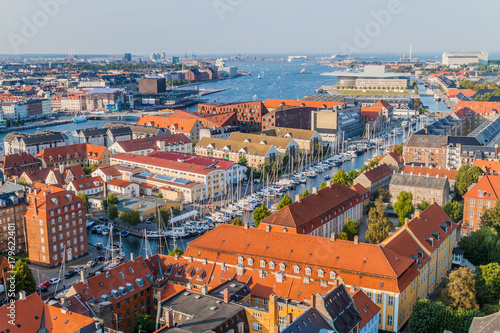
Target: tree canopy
<point>423,205</point>
<point>465,177</point>
<point>454,210</point>
<point>237,221</point>
<point>23,278</point>
<point>351,229</point>
<point>144,324</point>
<point>131,217</point>
<point>259,214</point>
<point>284,202</point>
<point>304,194</point>
<point>384,194</point>
<point>397,148</point>
<point>462,289</point>
<point>403,206</point>
<point>379,225</point>
<point>85,198</point>
<point>491,217</point>
<point>113,212</point>
<point>481,246</point>
<point>488,284</point>
<point>175,251</point>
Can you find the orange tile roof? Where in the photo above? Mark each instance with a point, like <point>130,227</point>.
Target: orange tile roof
<point>171,290</point>
<point>82,184</point>
<point>488,187</point>
<point>301,213</point>
<point>363,264</point>
<point>431,172</point>
<point>483,108</point>
<point>48,197</point>
<point>119,182</point>
<point>490,167</point>
<point>110,171</point>
<point>276,103</point>
<point>181,124</point>
<point>30,312</point>
<point>382,104</point>
<point>72,152</point>
<point>403,243</point>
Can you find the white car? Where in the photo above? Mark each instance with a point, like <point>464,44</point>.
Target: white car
<point>79,269</point>
<point>54,280</point>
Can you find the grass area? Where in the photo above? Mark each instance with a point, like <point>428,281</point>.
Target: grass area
<point>442,295</point>
<point>17,256</point>
<point>372,92</point>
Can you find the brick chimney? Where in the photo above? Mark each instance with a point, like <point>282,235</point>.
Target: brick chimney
<point>298,198</point>
<point>315,190</point>
<point>226,295</point>
<point>131,256</point>
<point>417,213</point>
<point>333,237</point>
<point>245,225</point>
<point>328,183</point>
<point>276,328</point>
<point>169,318</point>
<point>268,228</point>
<point>204,290</point>
<point>313,300</point>
<point>356,240</point>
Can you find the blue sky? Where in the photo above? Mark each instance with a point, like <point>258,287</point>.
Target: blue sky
<point>247,26</point>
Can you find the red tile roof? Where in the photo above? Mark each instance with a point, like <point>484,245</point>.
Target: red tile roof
<point>484,108</point>
<point>49,197</point>
<point>72,152</point>
<point>365,306</point>
<point>365,265</point>
<point>194,159</point>
<point>431,172</point>
<point>82,184</point>
<point>382,104</point>
<point>275,103</point>
<point>110,171</point>
<point>301,213</point>
<point>378,172</point>
<point>18,159</point>
<point>181,124</point>
<point>119,182</point>
<point>395,155</point>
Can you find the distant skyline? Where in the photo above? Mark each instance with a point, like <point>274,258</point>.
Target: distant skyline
<point>247,26</point>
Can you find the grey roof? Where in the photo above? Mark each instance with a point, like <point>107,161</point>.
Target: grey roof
<point>436,183</point>
<point>488,132</point>
<point>38,138</point>
<point>423,140</point>
<point>237,290</point>
<point>140,128</point>
<point>463,140</point>
<point>313,319</point>
<point>206,312</point>
<point>488,324</point>
<point>120,130</point>
<point>327,131</point>
<point>88,132</point>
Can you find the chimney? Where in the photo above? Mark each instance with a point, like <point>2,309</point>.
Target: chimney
<point>204,290</point>
<point>226,295</point>
<point>22,295</point>
<point>189,285</point>
<point>276,328</point>
<point>64,302</point>
<point>496,150</point>
<point>313,300</point>
<point>36,207</point>
<point>131,256</point>
<point>433,201</point>
<point>289,319</point>
<point>190,259</point>
<point>333,237</point>
<point>245,225</point>
<point>298,198</point>
<point>169,318</point>
<point>176,256</point>
<point>268,227</point>
<point>105,188</point>
<point>356,240</point>
<point>82,277</point>
<point>353,289</point>
<point>417,213</point>
<point>328,183</point>
<point>64,310</point>
<point>315,190</point>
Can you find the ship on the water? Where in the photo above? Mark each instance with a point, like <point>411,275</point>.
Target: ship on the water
<point>297,58</point>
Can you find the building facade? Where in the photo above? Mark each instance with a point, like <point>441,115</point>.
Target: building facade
<point>422,188</point>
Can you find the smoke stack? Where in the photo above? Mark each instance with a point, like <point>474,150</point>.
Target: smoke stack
<point>268,228</point>
<point>333,237</point>
<point>22,295</point>
<point>315,190</point>
<point>204,290</point>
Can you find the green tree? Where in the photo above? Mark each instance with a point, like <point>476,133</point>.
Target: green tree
<point>379,225</point>
<point>238,221</point>
<point>284,202</point>
<point>259,214</point>
<point>131,217</point>
<point>23,278</point>
<point>175,251</point>
<point>144,324</point>
<point>304,194</point>
<point>343,236</point>
<point>454,210</point>
<point>488,284</point>
<point>85,198</point>
<point>341,177</point>
<point>465,177</point>
<point>462,289</point>
<point>351,175</point>
<point>110,200</point>
<point>403,206</point>
<point>113,212</point>
<point>397,148</point>
<point>482,246</point>
<point>384,194</point>
<point>351,228</point>
<point>87,170</point>
<point>243,161</point>
<point>423,205</point>
<point>491,217</point>
<point>94,167</point>
<point>323,185</point>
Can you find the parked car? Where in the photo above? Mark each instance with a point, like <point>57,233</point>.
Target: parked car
<point>91,263</point>
<point>104,219</point>
<point>44,284</point>
<point>79,269</point>
<point>99,258</point>
<point>54,280</point>
<point>69,274</point>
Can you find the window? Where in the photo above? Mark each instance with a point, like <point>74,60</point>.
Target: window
<point>257,326</point>
<point>472,203</point>
<point>389,320</point>
<point>379,298</point>
<point>391,300</point>
<point>369,294</point>
<point>257,315</point>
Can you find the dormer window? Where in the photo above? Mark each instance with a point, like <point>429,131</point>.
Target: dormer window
<point>282,266</point>
<point>333,275</point>
<point>241,260</point>
<point>272,265</point>
<point>250,261</point>
<point>321,273</point>
<point>296,269</point>
<point>308,270</point>
<point>262,263</point>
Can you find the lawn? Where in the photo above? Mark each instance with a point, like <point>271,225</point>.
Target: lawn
<point>442,295</point>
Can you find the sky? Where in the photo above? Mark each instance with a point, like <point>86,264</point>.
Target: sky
<point>226,27</point>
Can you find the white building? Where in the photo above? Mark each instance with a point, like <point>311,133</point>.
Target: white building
<point>465,58</point>
<point>15,110</point>
<point>121,186</point>
<point>34,143</point>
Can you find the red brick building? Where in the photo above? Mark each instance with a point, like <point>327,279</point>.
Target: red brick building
<point>483,195</point>
<point>12,210</point>
<point>249,113</point>
<point>55,225</point>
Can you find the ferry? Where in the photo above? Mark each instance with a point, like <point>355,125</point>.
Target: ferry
<point>80,119</point>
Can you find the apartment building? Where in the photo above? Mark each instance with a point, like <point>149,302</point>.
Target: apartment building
<point>376,115</point>
<point>429,238</point>
<point>15,164</point>
<point>298,117</point>
<point>102,136</point>
<point>173,142</point>
<point>34,143</point>
<point>307,139</point>
<point>432,172</point>
<point>176,125</point>
<point>320,214</point>
<point>249,114</point>
<point>55,225</point>
<point>213,179</point>
<point>58,175</point>
<point>375,178</point>
<point>104,99</point>
<point>422,188</point>
<point>12,210</point>
<point>393,160</point>
<point>483,195</point>
<point>342,118</point>
<point>14,110</point>
<point>88,185</point>
<point>285,145</point>
<point>278,260</point>
<point>139,131</point>
<point>83,154</point>
<point>256,153</point>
